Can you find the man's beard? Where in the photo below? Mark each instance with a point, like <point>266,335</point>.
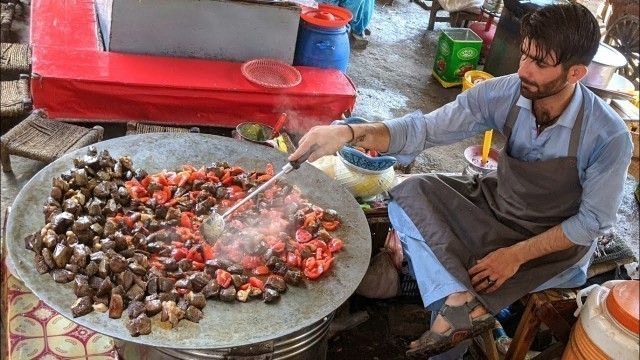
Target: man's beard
<point>545,90</point>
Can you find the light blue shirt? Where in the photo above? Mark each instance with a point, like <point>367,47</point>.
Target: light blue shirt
<point>603,156</point>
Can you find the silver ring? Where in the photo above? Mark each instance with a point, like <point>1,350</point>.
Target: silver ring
<point>491,282</point>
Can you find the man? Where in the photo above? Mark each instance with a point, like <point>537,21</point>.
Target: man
<point>477,244</point>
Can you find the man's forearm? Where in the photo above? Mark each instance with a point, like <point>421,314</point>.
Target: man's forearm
<point>548,242</point>
<point>371,136</point>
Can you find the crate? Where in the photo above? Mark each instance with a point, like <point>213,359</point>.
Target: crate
<point>458,52</point>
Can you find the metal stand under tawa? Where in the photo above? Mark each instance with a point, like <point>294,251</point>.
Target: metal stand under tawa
<point>309,343</point>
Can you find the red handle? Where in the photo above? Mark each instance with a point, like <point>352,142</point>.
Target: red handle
<point>276,129</point>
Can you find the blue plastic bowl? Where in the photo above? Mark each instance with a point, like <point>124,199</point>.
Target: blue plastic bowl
<point>364,161</point>
<point>360,159</point>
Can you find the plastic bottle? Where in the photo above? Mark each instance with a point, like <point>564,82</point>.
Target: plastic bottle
<point>502,340</point>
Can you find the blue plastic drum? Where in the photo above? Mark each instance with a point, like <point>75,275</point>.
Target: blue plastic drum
<point>323,38</point>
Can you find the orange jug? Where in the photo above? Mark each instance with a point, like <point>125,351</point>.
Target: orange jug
<point>608,325</point>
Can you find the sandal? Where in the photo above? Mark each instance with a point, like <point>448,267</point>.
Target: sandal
<point>463,327</point>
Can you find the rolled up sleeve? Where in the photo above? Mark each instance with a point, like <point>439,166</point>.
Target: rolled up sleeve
<point>473,112</point>
<point>602,192</point>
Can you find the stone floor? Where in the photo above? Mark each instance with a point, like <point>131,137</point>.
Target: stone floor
<point>393,77</point>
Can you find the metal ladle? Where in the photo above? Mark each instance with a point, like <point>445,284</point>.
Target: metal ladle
<point>213,226</point>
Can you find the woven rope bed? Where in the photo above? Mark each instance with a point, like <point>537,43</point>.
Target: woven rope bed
<point>15,98</point>
<point>15,59</point>
<point>134,128</point>
<point>7,11</point>
<point>39,138</point>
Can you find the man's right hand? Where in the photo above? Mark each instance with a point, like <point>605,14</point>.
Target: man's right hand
<point>328,140</point>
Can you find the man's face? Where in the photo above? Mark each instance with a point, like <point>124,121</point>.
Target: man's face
<point>540,78</point>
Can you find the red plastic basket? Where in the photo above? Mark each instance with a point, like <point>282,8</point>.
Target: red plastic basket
<point>271,73</point>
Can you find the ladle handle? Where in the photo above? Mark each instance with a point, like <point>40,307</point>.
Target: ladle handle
<point>295,164</point>
<point>279,123</point>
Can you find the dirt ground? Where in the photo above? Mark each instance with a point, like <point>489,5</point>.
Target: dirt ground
<point>393,78</point>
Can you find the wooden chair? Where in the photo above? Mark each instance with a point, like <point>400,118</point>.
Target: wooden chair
<point>15,59</point>
<point>42,139</point>
<point>15,98</point>
<point>456,19</point>
<point>554,308</point>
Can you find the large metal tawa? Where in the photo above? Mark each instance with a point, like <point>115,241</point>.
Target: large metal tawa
<point>225,324</point>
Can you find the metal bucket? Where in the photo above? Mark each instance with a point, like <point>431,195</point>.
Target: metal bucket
<point>605,63</point>
<point>309,343</point>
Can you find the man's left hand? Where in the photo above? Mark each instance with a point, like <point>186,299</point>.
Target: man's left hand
<point>493,270</point>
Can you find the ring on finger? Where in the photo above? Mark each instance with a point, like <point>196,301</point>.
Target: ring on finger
<point>490,282</point>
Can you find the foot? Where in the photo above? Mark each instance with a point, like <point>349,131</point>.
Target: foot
<point>359,42</point>
<point>367,31</point>
<point>440,325</point>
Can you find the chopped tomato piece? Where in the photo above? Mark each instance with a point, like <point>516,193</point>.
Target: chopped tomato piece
<point>178,253</point>
<point>182,291</point>
<point>197,265</point>
<point>234,189</point>
<point>223,277</point>
<point>269,170</point>
<point>184,179</point>
<point>250,262</point>
<point>330,225</point>
<point>228,181</point>
<point>269,193</point>
<point>194,254</point>
<point>260,270</point>
<point>207,251</point>
<point>236,170</point>
<point>177,244</point>
<point>138,191</point>
<point>197,175</point>
<point>314,272</point>
<point>310,263</point>
<point>335,244</point>
<point>185,221</point>
<point>294,258</point>
<point>245,286</point>
<point>145,182</point>
<point>303,236</point>
<point>160,196</point>
<point>308,219</point>
<point>255,282</point>
<point>278,247</point>
<point>212,177</point>
<point>319,244</point>
<point>326,264</point>
<point>160,179</point>
<point>264,178</point>
<point>171,202</point>
<point>189,168</point>
<point>130,223</point>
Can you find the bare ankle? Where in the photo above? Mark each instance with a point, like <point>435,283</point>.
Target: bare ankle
<point>459,298</point>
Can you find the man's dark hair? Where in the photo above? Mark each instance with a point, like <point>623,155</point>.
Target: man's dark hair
<point>569,31</point>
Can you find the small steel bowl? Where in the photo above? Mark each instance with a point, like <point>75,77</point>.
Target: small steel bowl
<point>254,132</point>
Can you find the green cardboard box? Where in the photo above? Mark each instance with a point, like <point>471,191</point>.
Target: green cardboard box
<point>458,52</point>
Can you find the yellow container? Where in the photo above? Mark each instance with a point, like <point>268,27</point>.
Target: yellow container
<point>472,77</point>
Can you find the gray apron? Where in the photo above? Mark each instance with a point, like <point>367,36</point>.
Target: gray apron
<point>464,218</point>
